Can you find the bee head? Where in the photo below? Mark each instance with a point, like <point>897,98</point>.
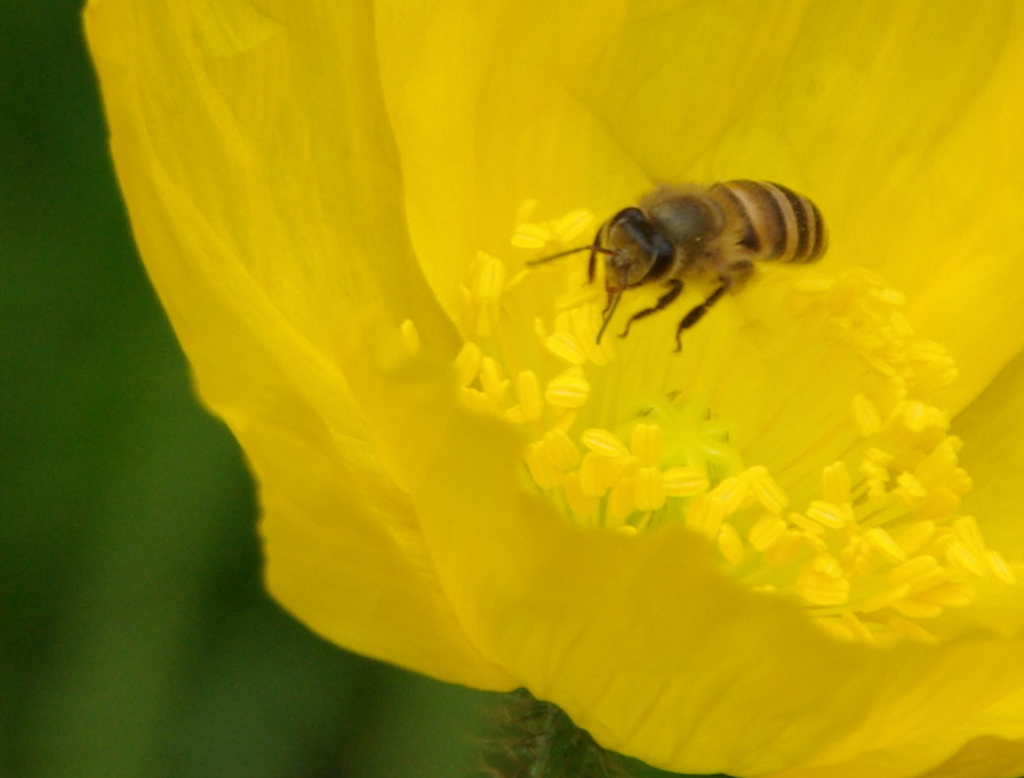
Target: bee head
<point>636,251</point>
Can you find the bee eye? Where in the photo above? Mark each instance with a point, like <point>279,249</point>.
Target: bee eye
<point>635,231</point>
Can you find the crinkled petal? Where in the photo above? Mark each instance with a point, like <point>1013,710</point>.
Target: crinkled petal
<point>993,428</point>
<point>272,218</point>
<point>259,278</point>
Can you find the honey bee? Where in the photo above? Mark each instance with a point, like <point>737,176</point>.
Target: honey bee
<point>684,233</point>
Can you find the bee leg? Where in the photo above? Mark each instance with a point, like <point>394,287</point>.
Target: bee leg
<point>697,313</point>
<point>595,249</point>
<point>666,299</point>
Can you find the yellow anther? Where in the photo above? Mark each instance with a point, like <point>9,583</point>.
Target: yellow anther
<point>963,557</point>
<point>914,608</point>
<point>771,496</point>
<point>876,492</point>
<point>704,516</point>
<point>647,443</point>
<point>859,557</point>
<point>826,564</point>
<point>829,514</point>
<point>580,297</point>
<point>569,389</point>
<point>488,278</point>
<point>910,488</point>
<point>888,296</point>
<point>524,213</point>
<point>1000,569</point>
<point>544,473</point>
<point>572,225</point>
<point>916,536</point>
<point>936,375</point>
<point>685,481</point>
<point>766,532</point>
<point>731,545</point>
<point>729,495</point>
<point>919,417</point>
<point>585,506</point>
<point>938,465</point>
<point>514,415</point>
<point>650,489</point>
<point>516,280</point>
<point>919,574</point>
<point>927,351</point>
<point>468,308</point>
<point>884,543</point>
<point>531,236</point>
<point>530,398</point>
<point>467,363</point>
<point>814,284</point>
<point>604,443</point>
<point>938,504</point>
<point>866,416</point>
<point>493,383</point>
<point>884,599</point>
<point>967,531</point>
<point>875,463</point>
<point>822,582</point>
<point>835,484</point>
<point>561,450</point>
<point>908,629</point>
<point>621,500</point>
<point>585,321</point>
<point>805,524</point>
<point>959,482</point>
<point>835,628</point>
<point>950,594</point>
<point>565,418</point>
<point>598,473</point>
<point>566,347</point>
<point>477,401</point>
<point>858,630</point>
<point>783,550</point>
<point>540,329</point>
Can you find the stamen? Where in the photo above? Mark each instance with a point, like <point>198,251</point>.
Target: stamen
<point>870,538</point>
<point>569,389</point>
<point>566,347</point>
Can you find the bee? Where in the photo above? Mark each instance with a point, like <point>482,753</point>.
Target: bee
<point>700,233</point>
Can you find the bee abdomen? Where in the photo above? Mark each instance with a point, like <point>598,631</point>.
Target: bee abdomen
<point>778,224</point>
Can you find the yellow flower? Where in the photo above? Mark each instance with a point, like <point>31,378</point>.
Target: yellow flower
<point>760,556</point>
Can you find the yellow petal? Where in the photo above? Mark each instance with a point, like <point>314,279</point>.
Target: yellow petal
<point>901,122</point>
<point>218,189</point>
<point>640,640</point>
<point>993,426</point>
<point>272,220</point>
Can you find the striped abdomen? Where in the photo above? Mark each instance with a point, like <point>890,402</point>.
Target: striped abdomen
<point>777,223</point>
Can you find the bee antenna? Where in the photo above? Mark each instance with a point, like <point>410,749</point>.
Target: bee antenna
<point>608,315</point>
<point>560,254</point>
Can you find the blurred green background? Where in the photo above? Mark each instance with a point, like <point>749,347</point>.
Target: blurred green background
<point>135,636</point>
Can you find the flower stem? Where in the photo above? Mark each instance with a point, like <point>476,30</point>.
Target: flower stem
<point>534,739</point>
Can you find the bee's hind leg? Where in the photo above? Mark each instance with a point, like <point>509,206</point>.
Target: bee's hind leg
<point>697,313</point>
<point>666,299</point>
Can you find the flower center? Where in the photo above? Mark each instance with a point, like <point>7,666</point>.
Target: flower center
<point>797,430</point>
